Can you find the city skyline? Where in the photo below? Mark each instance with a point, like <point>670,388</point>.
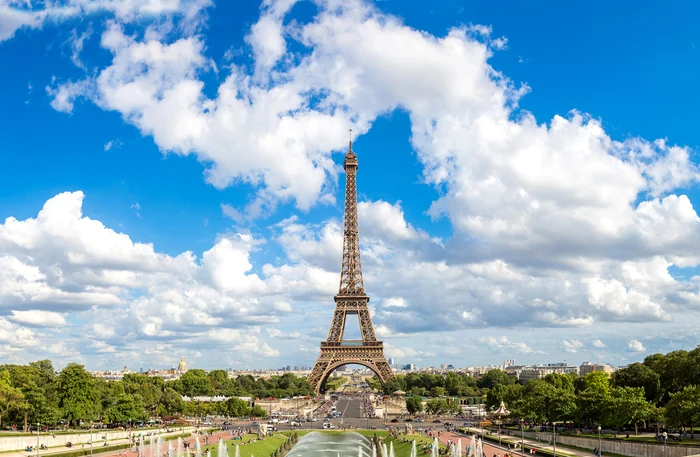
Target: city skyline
<point>171,180</point>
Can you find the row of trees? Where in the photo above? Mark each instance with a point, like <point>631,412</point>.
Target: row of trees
<point>437,385</point>
<point>664,388</point>
<point>216,382</point>
<point>34,393</point>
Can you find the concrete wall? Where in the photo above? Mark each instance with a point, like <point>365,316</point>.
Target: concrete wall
<point>16,443</point>
<point>630,448</point>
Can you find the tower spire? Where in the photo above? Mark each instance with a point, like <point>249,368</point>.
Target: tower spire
<point>351,282</point>
<point>350,301</point>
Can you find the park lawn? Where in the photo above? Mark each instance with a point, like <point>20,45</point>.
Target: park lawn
<point>262,448</point>
<point>402,449</point>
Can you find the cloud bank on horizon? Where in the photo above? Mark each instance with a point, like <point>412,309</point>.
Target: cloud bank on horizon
<point>554,224</point>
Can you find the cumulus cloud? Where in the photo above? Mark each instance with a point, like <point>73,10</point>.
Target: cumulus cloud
<point>571,345</point>
<point>503,345</point>
<point>635,346</point>
<point>15,15</point>
<point>38,318</point>
<point>598,344</point>
<point>555,223</point>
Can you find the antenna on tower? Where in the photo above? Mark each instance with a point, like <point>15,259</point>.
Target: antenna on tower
<point>351,139</point>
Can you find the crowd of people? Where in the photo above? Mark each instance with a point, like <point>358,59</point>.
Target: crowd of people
<point>368,407</point>
<point>324,409</point>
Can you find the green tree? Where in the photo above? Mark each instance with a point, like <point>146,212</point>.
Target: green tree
<point>414,405</point>
<point>509,395</point>
<point>237,408</point>
<point>546,400</point>
<point>11,398</point>
<point>436,406</point>
<point>495,377</point>
<point>126,408</point>
<point>683,409</point>
<point>77,393</point>
<point>639,375</point>
<point>593,401</point>
<point>39,409</point>
<point>171,402</point>
<point>629,406</point>
<point>257,411</point>
<point>196,383</point>
<point>438,391</point>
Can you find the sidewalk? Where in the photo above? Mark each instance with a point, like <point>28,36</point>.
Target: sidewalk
<point>516,440</point>
<point>97,445</point>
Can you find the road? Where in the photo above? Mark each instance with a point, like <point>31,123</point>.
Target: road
<point>350,408</point>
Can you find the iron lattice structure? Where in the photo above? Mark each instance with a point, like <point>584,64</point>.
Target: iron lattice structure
<point>350,301</point>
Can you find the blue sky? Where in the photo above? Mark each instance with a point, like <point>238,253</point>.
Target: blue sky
<point>527,176</point>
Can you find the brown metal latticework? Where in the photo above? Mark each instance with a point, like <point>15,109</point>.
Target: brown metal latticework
<point>350,301</point>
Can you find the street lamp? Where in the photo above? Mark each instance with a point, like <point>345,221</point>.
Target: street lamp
<point>90,438</point>
<point>522,436</point>
<point>600,451</point>
<point>554,438</point>
<point>38,432</point>
<point>665,435</point>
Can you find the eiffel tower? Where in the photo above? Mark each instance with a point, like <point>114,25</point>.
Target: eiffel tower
<point>351,300</point>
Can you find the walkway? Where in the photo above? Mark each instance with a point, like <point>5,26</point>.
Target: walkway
<point>491,449</point>
<point>97,447</point>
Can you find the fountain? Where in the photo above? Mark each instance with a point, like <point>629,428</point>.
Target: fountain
<point>316,444</point>
<point>459,447</point>
<point>152,446</point>
<point>198,448</point>
<point>142,451</point>
<point>414,450</point>
<point>223,452</point>
<point>435,449</point>
<point>385,453</point>
<point>472,447</point>
<point>179,446</point>
<point>374,450</point>
<point>170,449</point>
<point>391,449</point>
<point>479,448</point>
<point>159,446</point>
<point>238,452</point>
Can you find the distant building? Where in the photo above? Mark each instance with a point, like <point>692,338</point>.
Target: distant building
<point>409,367</point>
<point>530,372</point>
<point>587,367</point>
<point>182,366</point>
<point>391,361</point>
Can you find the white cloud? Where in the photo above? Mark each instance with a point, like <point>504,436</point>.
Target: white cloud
<point>555,223</point>
<point>571,345</point>
<point>635,346</point>
<point>15,15</point>
<point>277,334</point>
<point>396,302</point>
<point>502,344</point>
<point>598,344</point>
<point>38,318</point>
